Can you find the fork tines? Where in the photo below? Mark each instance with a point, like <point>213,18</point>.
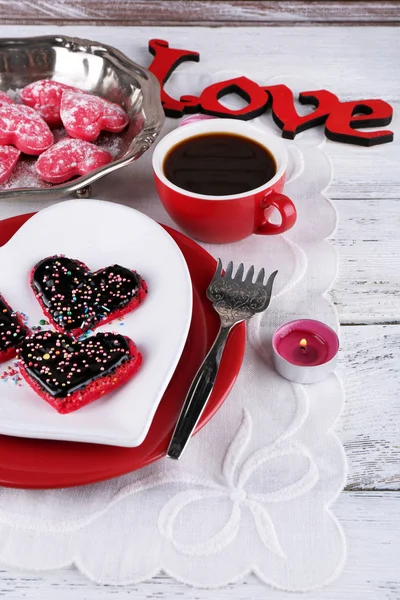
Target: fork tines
<point>238,277</point>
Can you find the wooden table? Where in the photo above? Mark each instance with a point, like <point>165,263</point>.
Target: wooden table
<point>354,62</point>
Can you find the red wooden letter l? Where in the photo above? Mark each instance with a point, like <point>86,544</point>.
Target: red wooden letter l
<point>165,61</point>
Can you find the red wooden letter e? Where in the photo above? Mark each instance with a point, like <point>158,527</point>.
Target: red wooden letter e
<point>342,123</point>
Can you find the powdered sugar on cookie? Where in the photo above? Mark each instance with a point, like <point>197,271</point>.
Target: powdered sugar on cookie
<point>69,158</point>
<point>5,99</point>
<point>84,116</point>
<point>8,159</point>
<point>23,127</point>
<point>45,97</point>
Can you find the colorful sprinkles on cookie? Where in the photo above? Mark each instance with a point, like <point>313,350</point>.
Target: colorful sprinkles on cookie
<point>69,374</point>
<point>12,331</point>
<point>75,300</point>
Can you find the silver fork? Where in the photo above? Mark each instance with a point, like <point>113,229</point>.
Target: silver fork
<point>235,300</point>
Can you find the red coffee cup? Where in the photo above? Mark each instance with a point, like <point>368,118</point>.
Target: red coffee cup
<point>223,219</point>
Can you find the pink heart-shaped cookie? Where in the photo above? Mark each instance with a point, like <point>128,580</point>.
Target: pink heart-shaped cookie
<point>4,99</point>
<point>69,158</point>
<point>45,97</point>
<point>24,128</point>
<point>84,116</point>
<point>8,159</point>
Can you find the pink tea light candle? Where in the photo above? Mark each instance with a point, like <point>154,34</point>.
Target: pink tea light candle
<point>305,351</point>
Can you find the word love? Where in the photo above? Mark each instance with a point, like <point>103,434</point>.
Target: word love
<point>342,119</point>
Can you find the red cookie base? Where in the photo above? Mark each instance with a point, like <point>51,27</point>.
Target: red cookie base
<point>11,352</point>
<point>96,389</point>
<point>7,355</point>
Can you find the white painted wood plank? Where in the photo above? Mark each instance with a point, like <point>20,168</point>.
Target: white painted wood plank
<point>373,174</point>
<point>330,57</point>
<point>372,524</point>
<point>368,243</point>
<point>352,62</point>
<point>370,424</point>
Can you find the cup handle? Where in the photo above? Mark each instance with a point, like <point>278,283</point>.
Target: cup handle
<point>286,208</point>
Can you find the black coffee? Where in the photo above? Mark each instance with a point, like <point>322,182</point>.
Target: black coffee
<point>219,164</point>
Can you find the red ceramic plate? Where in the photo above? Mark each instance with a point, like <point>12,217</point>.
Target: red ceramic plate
<point>28,463</point>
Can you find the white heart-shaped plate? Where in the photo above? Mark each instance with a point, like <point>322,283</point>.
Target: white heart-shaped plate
<point>100,234</point>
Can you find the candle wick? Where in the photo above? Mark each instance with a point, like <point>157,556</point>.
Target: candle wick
<point>303,345</point>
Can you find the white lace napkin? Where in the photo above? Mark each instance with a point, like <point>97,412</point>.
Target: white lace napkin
<point>253,491</point>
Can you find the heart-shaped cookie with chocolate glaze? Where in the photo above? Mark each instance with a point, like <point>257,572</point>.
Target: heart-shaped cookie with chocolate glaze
<point>76,299</point>
<point>12,331</point>
<point>69,374</point>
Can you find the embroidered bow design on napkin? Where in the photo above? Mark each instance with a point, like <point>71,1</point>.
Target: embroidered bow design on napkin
<point>234,489</point>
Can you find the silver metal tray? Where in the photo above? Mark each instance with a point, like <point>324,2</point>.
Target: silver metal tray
<point>95,68</point>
